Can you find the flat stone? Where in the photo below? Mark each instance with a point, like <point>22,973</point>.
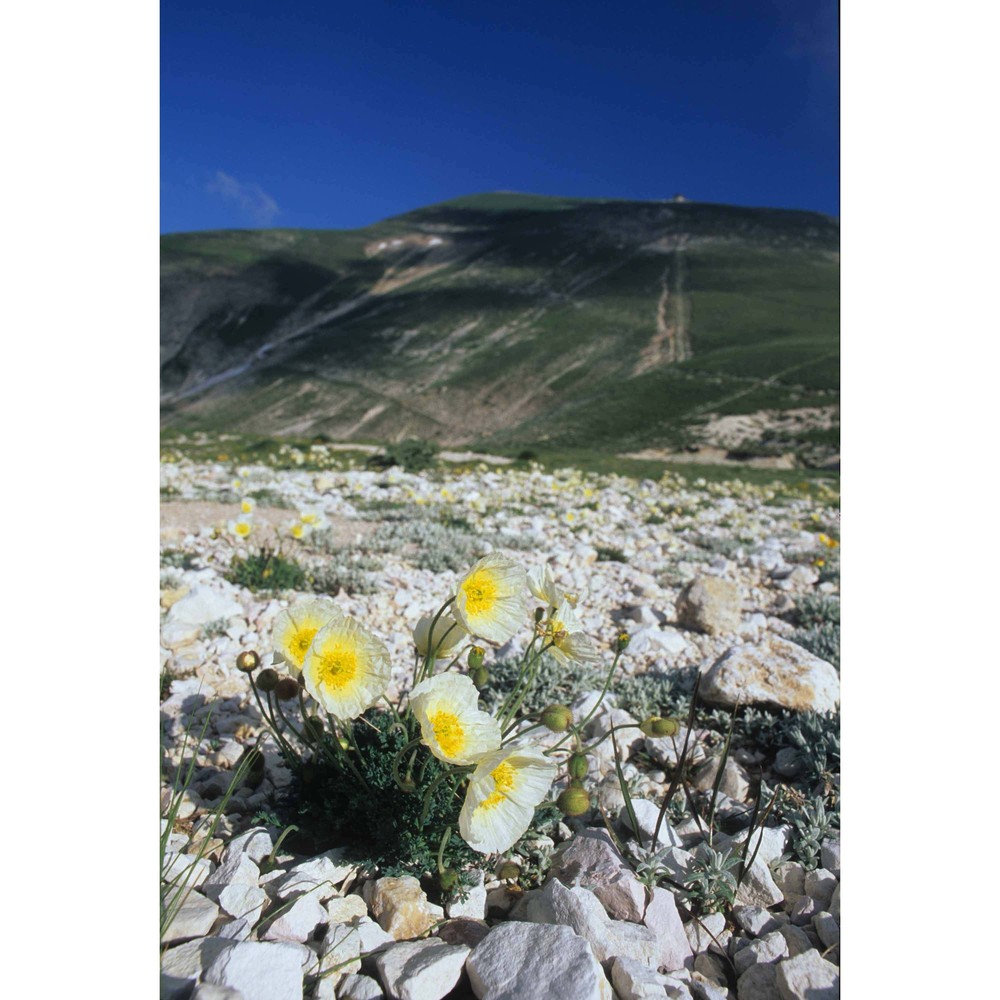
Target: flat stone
<point>773,672</point>
<point>344,909</point>
<point>797,939</point>
<point>808,977</point>
<point>517,961</point>
<point>181,966</point>
<point>819,884</point>
<point>830,856</point>
<point>768,949</point>
<point>662,918</point>
<point>238,870</point>
<point>340,953</point>
<point>238,929</point>
<point>705,989</point>
<point>646,815</point>
<point>767,844</point>
<point>358,987</point>
<point>827,928</point>
<point>758,887</point>
<point>297,922</point>
<point>401,907</point>
<point>320,876</point>
<point>474,904</point>
<point>186,870</point>
<point>242,901</point>
<point>592,860</point>
<point>256,843</point>
<point>756,920</point>
<point>259,970</point>
<point>790,877</point>
<point>421,970</point>
<point>759,982</point>
<point>635,981</point>
<point>735,780</point>
<point>700,935</point>
<point>202,605</point>
<point>194,919</point>
<point>711,605</point>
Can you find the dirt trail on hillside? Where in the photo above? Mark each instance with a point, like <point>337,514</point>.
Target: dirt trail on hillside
<point>672,340</point>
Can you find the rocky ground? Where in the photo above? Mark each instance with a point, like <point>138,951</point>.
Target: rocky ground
<point>734,582</point>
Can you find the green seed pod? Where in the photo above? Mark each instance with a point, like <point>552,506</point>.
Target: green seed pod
<point>578,766</point>
<point>622,641</point>
<point>558,718</point>
<point>480,677</point>
<point>539,614</point>
<point>508,871</point>
<point>448,880</point>
<point>476,654</point>
<point>666,727</point>
<point>267,679</point>
<point>287,689</point>
<point>574,801</point>
<point>646,726</point>
<point>248,661</point>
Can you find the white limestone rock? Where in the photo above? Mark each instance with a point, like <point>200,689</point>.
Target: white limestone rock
<point>259,970</point>
<point>518,960</point>
<point>421,970</point>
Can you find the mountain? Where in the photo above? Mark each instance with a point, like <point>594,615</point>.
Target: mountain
<point>510,321</point>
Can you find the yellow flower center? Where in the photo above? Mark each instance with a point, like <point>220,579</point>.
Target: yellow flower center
<point>448,732</point>
<point>480,592</point>
<point>338,666</point>
<point>503,778</point>
<point>243,529</point>
<point>297,531</point>
<point>300,644</point>
<point>246,506</point>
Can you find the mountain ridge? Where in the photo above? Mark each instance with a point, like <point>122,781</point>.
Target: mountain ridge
<point>504,320</point>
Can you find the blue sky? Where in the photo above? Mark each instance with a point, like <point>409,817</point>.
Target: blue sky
<point>335,115</point>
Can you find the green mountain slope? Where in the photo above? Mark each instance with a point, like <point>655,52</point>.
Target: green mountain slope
<point>504,321</point>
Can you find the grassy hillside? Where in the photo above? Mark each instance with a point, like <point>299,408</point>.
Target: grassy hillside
<point>505,321</point>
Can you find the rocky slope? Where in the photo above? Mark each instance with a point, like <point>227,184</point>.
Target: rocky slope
<point>506,321</point>
<point>710,579</point>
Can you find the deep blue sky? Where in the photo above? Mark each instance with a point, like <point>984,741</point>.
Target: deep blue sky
<point>339,114</point>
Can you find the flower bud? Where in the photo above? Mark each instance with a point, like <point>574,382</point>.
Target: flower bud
<point>508,871</point>
<point>578,766</point>
<point>558,718</point>
<point>267,679</point>
<point>666,727</point>
<point>622,641</point>
<point>448,880</point>
<point>315,724</point>
<point>476,654</point>
<point>287,689</point>
<point>539,614</point>
<point>248,661</point>
<point>480,677</point>
<point>574,801</point>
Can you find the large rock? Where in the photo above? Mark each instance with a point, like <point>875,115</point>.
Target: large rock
<point>358,987</point>
<point>320,876</point>
<point>298,921</point>
<point>711,605</point>
<point>662,918</point>
<point>193,919</point>
<point>401,907</point>
<point>259,970</point>
<point>808,977</point>
<point>193,611</point>
<point>634,981</point>
<point>516,961</point>
<point>591,859</point>
<point>474,903</point>
<point>774,672</point>
<point>421,970</point>
<point>237,870</point>
<point>759,982</point>
<point>766,950</point>
<point>180,967</point>
<point>580,909</point>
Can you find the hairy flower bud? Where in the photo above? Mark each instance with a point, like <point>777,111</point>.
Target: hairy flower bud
<point>476,654</point>
<point>480,677</point>
<point>508,871</point>
<point>539,614</point>
<point>558,718</point>
<point>287,689</point>
<point>578,766</point>
<point>267,679</point>
<point>666,727</point>
<point>448,880</point>
<point>622,641</point>
<point>248,661</point>
<point>574,801</point>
